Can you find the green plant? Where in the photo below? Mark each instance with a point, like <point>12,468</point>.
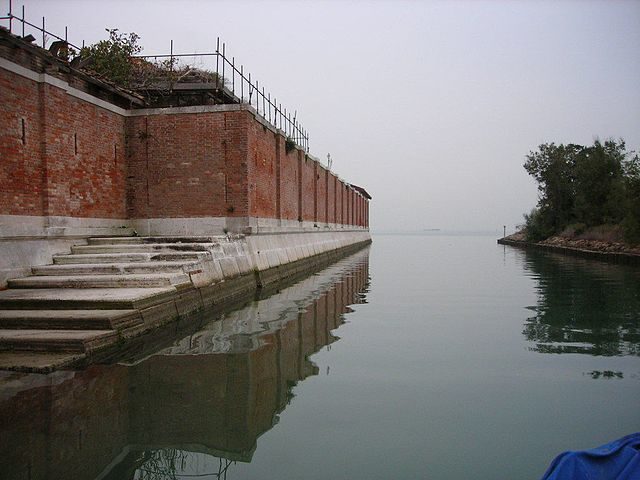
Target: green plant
<point>112,58</point>
<point>289,144</point>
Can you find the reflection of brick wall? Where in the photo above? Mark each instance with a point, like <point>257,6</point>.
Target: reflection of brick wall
<point>79,422</point>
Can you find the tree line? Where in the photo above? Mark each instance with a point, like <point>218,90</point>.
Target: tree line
<point>584,186</point>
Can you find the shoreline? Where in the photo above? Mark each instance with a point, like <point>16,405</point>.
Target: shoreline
<point>608,252</point>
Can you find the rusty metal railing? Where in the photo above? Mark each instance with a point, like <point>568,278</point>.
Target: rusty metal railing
<point>229,75</point>
<point>232,76</point>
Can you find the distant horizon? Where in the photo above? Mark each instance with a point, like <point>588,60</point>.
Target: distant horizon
<point>436,232</point>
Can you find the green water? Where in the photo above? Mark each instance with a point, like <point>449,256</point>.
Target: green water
<point>427,356</point>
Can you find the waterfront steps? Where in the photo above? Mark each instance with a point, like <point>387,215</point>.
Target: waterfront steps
<point>127,286</point>
<point>122,280</point>
<point>109,289</point>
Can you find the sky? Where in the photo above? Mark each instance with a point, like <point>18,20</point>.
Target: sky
<point>431,106</point>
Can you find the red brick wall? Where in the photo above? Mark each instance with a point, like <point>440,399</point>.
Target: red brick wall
<point>339,203</point>
<point>331,197</point>
<point>345,205</point>
<point>262,166</point>
<point>72,160</point>
<point>321,194</point>
<point>289,181</point>
<point>67,157</point>
<point>189,165</point>
<point>307,187</point>
<point>21,168</point>
<point>86,170</point>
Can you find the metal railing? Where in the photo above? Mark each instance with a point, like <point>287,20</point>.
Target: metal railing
<point>229,76</point>
<point>27,28</point>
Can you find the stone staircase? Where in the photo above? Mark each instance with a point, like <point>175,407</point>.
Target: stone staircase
<point>93,297</point>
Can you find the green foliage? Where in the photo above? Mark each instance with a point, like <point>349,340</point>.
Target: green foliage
<point>631,222</point>
<point>289,144</point>
<point>538,226</point>
<point>112,58</point>
<point>594,185</point>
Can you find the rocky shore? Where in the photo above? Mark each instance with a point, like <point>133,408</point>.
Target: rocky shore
<point>584,245</point>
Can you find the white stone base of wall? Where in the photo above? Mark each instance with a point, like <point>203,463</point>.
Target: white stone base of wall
<point>221,225</point>
<point>27,241</point>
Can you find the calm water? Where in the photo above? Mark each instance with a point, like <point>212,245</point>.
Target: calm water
<point>427,357</point>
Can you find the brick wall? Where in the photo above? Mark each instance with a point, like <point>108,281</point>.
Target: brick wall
<point>338,201</point>
<point>60,155</point>
<point>262,165</point>
<point>307,187</point>
<point>84,158</point>
<point>289,181</point>
<point>77,157</point>
<point>321,194</point>
<point>21,168</point>
<point>188,165</point>
<point>331,197</point>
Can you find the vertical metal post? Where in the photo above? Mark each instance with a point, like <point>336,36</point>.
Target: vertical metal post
<point>43,29</point>
<point>217,61</point>
<point>11,15</point>
<point>280,114</point>
<point>241,83</point>
<point>250,87</point>
<point>65,34</point>
<point>257,98</point>
<point>270,107</point>
<point>23,17</point>
<point>171,66</point>
<point>233,76</point>
<point>264,110</point>
<point>224,60</point>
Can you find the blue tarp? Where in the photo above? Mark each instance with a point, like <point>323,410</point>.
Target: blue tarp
<point>618,460</point>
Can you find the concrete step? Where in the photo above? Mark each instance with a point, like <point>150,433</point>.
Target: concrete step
<point>113,240</point>
<point>128,257</point>
<point>149,240</point>
<point>40,362</point>
<point>128,280</point>
<point>80,341</point>
<point>112,268</point>
<point>142,248</point>
<point>84,298</point>
<point>69,319</point>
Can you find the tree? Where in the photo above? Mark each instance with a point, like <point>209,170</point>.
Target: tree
<point>594,185</point>
<point>631,222</point>
<point>553,166</point>
<point>112,58</point>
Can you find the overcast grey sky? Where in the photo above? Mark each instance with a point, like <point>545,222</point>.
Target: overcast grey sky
<point>431,106</point>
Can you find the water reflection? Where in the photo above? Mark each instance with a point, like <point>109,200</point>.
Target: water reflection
<point>583,306</point>
<point>192,409</point>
